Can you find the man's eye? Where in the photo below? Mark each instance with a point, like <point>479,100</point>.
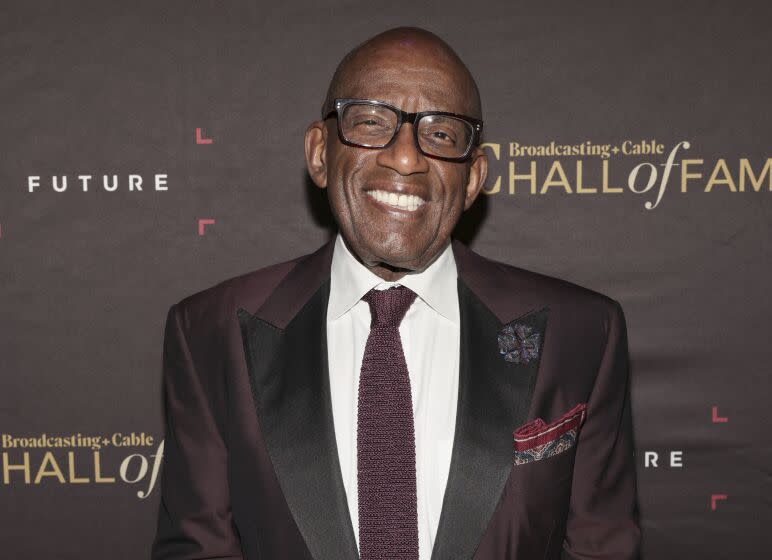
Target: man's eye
<point>368,122</point>
<point>440,136</point>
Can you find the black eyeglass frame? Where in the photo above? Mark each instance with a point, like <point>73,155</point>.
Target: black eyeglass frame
<point>404,117</point>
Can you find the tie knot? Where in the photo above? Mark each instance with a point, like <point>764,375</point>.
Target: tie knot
<point>388,307</point>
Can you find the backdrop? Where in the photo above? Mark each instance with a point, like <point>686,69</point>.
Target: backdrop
<point>152,149</point>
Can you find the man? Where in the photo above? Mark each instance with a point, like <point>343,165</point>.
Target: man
<point>394,395</point>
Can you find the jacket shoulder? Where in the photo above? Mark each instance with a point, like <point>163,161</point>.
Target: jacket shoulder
<point>557,290</point>
<point>509,289</point>
<point>218,303</point>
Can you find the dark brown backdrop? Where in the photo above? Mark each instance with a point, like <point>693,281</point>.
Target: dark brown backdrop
<point>120,88</point>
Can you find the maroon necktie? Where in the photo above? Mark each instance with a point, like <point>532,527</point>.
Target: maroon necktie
<point>386,472</point>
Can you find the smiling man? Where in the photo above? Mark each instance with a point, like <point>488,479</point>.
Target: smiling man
<point>394,395</point>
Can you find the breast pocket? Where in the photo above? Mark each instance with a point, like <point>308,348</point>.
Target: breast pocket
<point>543,478</point>
<point>543,455</point>
<point>534,505</point>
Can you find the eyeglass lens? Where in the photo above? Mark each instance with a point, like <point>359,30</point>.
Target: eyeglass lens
<point>373,126</point>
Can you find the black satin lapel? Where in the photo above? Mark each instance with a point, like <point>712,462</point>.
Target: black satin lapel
<point>290,385</point>
<point>494,399</point>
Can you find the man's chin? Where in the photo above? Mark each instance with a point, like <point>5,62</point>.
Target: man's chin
<point>396,250</point>
<point>400,259</point>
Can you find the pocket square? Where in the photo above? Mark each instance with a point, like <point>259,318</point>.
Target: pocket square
<point>538,440</point>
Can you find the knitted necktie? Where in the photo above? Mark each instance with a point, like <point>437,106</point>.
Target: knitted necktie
<point>386,475</point>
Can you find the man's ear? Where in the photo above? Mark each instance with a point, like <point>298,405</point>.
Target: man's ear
<point>316,153</point>
<point>478,171</point>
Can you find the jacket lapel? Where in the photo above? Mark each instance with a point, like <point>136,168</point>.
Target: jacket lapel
<point>494,398</point>
<point>286,352</point>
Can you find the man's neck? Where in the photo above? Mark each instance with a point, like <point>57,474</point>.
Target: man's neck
<point>386,271</point>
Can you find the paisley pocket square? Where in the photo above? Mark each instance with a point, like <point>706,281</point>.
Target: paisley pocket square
<point>537,440</point>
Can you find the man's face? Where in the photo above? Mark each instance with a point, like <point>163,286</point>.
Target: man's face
<point>360,181</point>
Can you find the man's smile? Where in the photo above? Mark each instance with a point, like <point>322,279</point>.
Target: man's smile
<point>400,201</point>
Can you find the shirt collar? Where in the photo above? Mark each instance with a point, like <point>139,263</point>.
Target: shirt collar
<point>436,285</point>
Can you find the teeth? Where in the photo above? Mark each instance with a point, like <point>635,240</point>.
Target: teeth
<point>408,202</point>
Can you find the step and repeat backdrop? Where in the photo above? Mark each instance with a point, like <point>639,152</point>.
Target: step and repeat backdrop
<point>153,149</point>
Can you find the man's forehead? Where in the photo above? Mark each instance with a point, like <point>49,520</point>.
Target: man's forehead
<point>421,84</point>
<point>405,55</point>
<point>421,89</point>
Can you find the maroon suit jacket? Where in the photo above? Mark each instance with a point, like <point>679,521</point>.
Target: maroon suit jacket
<point>251,466</point>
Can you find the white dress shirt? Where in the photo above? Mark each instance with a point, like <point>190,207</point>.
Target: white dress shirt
<point>430,334</point>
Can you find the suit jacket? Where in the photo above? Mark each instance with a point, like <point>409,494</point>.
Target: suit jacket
<point>251,466</point>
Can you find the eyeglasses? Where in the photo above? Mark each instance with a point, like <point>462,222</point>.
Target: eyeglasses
<point>367,123</point>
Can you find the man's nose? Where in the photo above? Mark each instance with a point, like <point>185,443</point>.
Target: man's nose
<point>403,155</point>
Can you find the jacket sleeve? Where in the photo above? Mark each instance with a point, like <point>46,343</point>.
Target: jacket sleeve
<point>603,518</point>
<point>194,516</point>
